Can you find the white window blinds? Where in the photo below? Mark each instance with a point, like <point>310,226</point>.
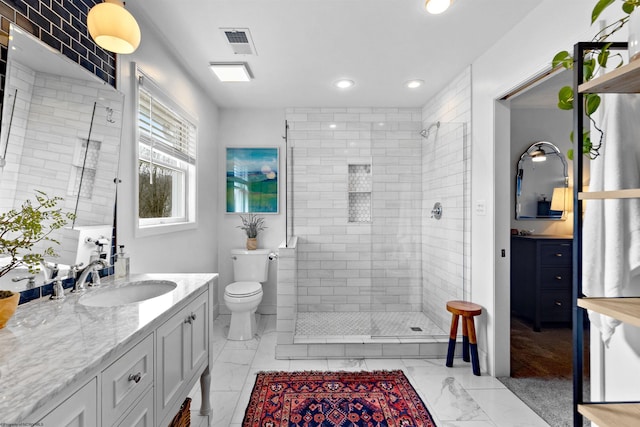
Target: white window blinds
<point>161,128</point>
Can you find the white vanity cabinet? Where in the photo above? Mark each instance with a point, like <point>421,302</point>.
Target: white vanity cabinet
<point>125,380</point>
<point>182,344</point>
<point>142,379</point>
<point>78,410</point>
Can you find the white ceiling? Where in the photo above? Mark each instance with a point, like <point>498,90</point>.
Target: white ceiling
<point>303,46</point>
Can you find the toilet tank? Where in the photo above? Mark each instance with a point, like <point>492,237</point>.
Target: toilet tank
<point>250,266</point>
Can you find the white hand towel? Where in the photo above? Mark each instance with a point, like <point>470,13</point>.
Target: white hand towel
<point>611,232</point>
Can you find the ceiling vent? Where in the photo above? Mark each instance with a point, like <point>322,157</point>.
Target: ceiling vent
<point>240,41</point>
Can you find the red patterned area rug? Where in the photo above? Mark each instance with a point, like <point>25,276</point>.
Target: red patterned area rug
<point>335,399</point>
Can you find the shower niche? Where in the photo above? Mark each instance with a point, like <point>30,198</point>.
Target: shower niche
<point>360,193</point>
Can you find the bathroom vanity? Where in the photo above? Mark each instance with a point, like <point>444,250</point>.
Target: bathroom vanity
<point>95,361</point>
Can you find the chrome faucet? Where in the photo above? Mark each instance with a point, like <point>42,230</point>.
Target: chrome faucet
<point>49,269</point>
<point>80,283</point>
<point>31,280</point>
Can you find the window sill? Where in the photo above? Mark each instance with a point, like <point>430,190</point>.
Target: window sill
<point>158,229</point>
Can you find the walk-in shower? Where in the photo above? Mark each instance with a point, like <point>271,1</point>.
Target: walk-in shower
<point>372,262</point>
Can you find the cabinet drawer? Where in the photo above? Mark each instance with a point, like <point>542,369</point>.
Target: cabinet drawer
<point>142,414</point>
<point>124,381</point>
<point>79,410</point>
<point>555,277</point>
<point>555,254</point>
<point>555,306</point>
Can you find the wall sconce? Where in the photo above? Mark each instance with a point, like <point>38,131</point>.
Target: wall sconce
<point>113,28</point>
<point>538,155</point>
<point>436,7</point>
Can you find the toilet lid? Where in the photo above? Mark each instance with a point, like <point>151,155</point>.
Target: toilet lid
<point>243,289</point>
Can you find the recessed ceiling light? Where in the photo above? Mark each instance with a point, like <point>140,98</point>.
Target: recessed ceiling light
<point>344,83</point>
<point>414,84</point>
<point>437,6</point>
<point>231,71</point>
<point>333,125</point>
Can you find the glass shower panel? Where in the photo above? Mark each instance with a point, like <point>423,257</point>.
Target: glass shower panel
<point>331,203</point>
<point>417,260</point>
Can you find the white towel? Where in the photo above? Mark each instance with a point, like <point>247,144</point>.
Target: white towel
<point>611,232</point>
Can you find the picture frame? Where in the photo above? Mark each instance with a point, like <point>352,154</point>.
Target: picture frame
<point>252,184</point>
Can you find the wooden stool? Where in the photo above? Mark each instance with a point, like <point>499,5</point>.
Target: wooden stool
<point>467,310</point>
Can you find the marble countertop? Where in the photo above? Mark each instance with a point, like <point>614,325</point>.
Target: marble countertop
<point>48,345</point>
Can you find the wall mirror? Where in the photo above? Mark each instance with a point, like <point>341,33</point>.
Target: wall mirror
<point>60,134</point>
<point>542,183</point>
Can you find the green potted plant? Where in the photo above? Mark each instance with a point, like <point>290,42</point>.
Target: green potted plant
<point>252,225</point>
<point>20,231</point>
<point>593,61</point>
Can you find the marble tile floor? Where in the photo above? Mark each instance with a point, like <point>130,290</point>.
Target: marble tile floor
<point>454,396</point>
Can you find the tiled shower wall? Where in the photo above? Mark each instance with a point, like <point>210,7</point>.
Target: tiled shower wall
<point>356,266</point>
<point>446,243</point>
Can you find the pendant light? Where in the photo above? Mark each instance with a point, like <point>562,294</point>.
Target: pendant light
<point>113,28</point>
<point>437,6</point>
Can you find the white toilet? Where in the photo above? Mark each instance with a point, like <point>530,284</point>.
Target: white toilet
<point>243,296</point>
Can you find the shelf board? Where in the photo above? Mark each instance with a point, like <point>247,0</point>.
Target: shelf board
<point>624,309</point>
<point>612,414</point>
<point>631,193</point>
<point>625,79</point>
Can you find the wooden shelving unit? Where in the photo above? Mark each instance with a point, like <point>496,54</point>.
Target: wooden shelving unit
<point>625,79</point>
<point>624,309</point>
<point>612,414</point>
<point>631,193</point>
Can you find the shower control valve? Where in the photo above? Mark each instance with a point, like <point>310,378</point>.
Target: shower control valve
<point>436,212</point>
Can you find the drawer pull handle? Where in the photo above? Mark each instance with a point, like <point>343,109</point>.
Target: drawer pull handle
<point>558,277</point>
<point>558,303</point>
<point>135,377</point>
<point>193,316</point>
<point>188,320</point>
<point>558,254</point>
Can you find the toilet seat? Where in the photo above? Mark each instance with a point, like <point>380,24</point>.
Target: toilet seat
<point>243,289</point>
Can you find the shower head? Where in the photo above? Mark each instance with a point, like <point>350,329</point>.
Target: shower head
<point>425,132</point>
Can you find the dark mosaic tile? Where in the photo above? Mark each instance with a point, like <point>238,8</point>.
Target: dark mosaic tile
<point>51,16</point>
<point>61,35</point>
<point>29,295</point>
<point>50,40</point>
<point>88,65</point>
<point>39,20</point>
<point>70,53</point>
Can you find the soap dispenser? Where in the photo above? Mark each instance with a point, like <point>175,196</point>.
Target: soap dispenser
<point>121,266</point>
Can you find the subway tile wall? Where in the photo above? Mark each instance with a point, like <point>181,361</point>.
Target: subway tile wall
<point>446,243</point>
<point>347,266</point>
<point>60,24</point>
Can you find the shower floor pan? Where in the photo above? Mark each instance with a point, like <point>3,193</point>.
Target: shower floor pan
<point>366,327</point>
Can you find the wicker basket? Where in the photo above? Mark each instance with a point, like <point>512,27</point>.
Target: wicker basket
<point>183,417</point>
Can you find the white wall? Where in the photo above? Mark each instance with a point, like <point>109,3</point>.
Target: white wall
<point>523,52</point>
<point>529,125</point>
<point>249,128</point>
<point>194,250</point>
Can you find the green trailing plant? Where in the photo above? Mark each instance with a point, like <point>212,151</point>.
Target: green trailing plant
<point>593,61</point>
<point>5,294</point>
<point>252,225</point>
<point>33,223</point>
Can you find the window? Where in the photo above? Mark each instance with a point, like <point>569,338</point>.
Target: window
<point>166,159</point>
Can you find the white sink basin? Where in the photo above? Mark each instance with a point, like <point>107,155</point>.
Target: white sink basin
<point>129,293</point>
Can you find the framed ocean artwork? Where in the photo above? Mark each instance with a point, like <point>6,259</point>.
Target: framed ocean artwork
<point>252,180</point>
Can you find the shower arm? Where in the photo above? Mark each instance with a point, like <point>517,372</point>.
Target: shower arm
<point>426,132</point>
